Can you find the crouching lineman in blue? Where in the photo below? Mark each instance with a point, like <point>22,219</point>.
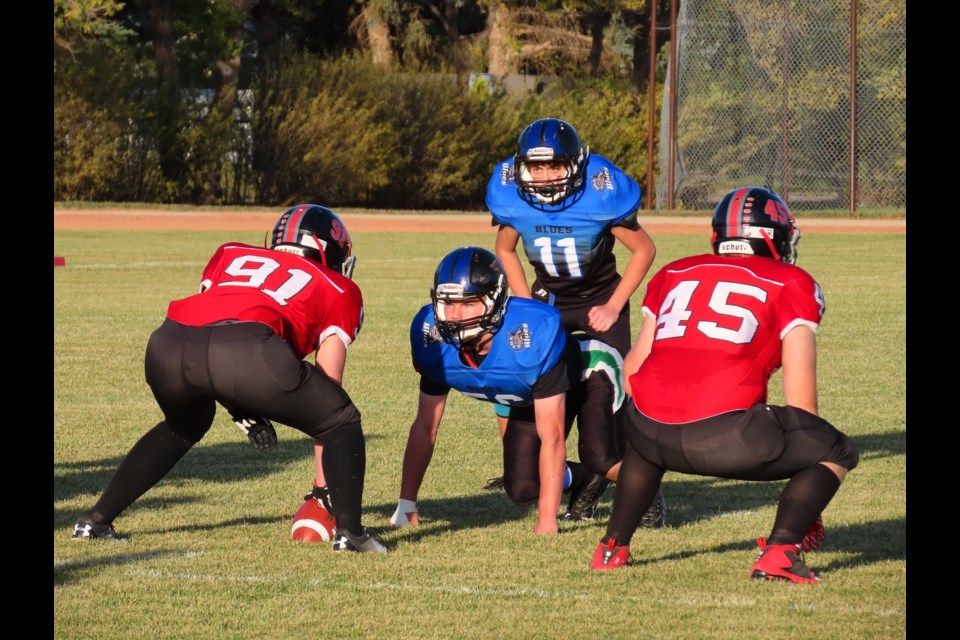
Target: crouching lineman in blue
<point>514,352</point>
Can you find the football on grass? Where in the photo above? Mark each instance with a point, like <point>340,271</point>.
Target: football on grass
<point>313,523</point>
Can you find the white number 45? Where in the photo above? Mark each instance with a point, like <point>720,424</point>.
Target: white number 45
<point>671,321</point>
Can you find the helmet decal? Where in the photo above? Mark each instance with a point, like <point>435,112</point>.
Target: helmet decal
<point>755,221</point>
<point>290,223</point>
<point>317,233</point>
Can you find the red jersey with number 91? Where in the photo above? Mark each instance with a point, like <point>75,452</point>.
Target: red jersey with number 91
<point>302,301</point>
<point>719,325</point>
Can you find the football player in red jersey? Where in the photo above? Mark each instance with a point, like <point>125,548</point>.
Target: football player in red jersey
<point>716,328</point>
<point>241,342</point>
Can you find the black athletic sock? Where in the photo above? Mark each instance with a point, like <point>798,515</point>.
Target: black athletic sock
<point>344,465</point>
<point>150,459</point>
<point>580,476</point>
<point>636,488</point>
<point>804,498</point>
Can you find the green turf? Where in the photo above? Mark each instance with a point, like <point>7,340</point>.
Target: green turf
<point>210,554</point>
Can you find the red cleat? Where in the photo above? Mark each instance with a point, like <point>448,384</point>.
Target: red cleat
<point>781,562</point>
<point>609,556</point>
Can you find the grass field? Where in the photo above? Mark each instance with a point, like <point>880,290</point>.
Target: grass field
<point>210,555</point>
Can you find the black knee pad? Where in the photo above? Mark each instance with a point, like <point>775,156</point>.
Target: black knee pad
<point>522,494</point>
<point>345,416</point>
<point>596,461</point>
<point>844,453</point>
<point>191,434</point>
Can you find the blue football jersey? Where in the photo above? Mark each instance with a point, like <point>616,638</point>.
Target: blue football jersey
<point>530,342</point>
<point>569,244</point>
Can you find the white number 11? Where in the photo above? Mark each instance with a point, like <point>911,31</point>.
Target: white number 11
<point>569,246</point>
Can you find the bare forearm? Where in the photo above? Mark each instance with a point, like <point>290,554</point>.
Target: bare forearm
<point>416,459</point>
<point>552,461</point>
<point>553,452</point>
<point>506,250</point>
<point>516,278</point>
<point>639,352</point>
<point>642,253</point>
<point>799,357</point>
<point>632,277</point>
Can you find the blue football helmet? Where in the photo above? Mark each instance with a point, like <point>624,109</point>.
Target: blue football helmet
<point>467,274</point>
<point>549,140</point>
<point>755,221</point>
<point>315,232</point>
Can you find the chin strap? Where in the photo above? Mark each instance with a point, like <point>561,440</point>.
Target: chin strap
<point>470,361</point>
<point>769,240</point>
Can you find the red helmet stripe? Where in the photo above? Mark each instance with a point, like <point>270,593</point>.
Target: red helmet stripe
<point>735,213</point>
<point>291,232</point>
<point>321,244</point>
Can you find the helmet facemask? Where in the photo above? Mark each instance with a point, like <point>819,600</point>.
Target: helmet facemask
<point>791,253</point>
<point>469,274</point>
<point>545,191</point>
<point>469,330</point>
<point>549,140</point>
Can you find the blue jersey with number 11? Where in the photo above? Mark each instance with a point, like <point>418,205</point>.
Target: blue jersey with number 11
<point>569,244</point>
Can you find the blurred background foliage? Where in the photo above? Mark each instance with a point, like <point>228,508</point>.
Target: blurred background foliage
<point>272,102</point>
<point>376,103</point>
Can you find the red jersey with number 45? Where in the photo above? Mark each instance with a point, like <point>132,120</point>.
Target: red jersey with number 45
<point>301,300</point>
<point>720,321</point>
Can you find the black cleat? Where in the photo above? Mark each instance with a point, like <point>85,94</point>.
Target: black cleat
<point>343,540</point>
<point>656,515</point>
<point>87,529</point>
<point>494,484</point>
<point>583,501</point>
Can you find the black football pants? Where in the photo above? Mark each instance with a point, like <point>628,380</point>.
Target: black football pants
<point>242,365</point>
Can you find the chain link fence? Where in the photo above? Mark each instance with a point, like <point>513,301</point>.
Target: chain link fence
<point>763,97</point>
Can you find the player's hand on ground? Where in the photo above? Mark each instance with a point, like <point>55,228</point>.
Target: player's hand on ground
<point>259,430</point>
<point>546,527</point>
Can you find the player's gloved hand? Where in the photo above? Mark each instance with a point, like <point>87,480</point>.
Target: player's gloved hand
<point>399,517</point>
<point>259,430</point>
<point>321,495</point>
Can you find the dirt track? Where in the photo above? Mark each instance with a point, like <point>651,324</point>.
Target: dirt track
<point>400,223</point>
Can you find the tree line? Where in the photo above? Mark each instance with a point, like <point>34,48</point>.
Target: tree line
<point>370,103</point>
